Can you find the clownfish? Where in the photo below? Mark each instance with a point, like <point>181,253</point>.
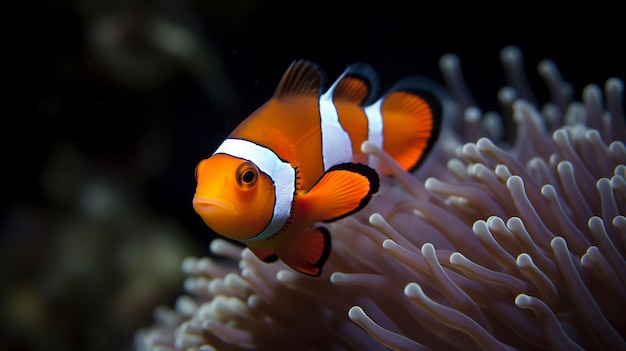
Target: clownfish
<point>294,161</point>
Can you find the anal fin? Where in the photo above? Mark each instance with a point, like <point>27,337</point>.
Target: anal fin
<point>307,252</point>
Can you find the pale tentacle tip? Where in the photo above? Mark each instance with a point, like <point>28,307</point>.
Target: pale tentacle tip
<point>485,144</point>
<point>507,94</point>
<point>593,135</point>
<point>449,62</point>
<point>456,258</point>
<point>523,300</point>
<point>222,247</point>
<point>338,278</point>
<point>515,224</point>
<point>376,218</point>
<point>253,301</point>
<point>548,192</point>
<point>510,54</point>
<point>565,167</point>
<point>557,242</point>
<point>515,182</point>
<point>413,290</point>
<point>189,264</point>
<point>472,115</point>
<point>547,67</point>
<point>524,260</point>
<point>614,83</point>
<point>495,222</point>
<point>595,222</point>
<point>431,183</point>
<point>428,249</point>
<point>480,226</point>
<point>369,148</point>
<point>285,276</point>
<point>502,172</point>
<point>356,313</point>
<point>559,136</point>
<point>388,244</point>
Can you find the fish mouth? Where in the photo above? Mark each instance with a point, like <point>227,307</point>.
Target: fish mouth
<point>211,206</point>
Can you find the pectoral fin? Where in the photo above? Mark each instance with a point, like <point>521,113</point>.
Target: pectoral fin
<point>343,190</point>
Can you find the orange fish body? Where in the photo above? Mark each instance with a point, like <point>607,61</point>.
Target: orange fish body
<point>292,162</point>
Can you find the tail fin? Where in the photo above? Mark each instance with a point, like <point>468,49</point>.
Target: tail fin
<point>412,118</point>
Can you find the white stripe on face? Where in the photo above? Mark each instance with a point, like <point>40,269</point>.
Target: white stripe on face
<point>336,143</point>
<point>280,172</point>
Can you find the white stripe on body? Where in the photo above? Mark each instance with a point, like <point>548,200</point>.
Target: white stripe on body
<point>336,142</point>
<point>374,128</point>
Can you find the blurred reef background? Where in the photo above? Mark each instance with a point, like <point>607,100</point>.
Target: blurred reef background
<point>109,105</point>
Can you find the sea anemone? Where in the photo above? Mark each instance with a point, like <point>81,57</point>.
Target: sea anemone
<point>509,243</point>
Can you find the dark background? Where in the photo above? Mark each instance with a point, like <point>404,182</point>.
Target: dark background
<point>89,95</point>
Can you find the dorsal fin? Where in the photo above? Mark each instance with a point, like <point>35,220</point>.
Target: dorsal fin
<point>302,77</point>
<point>358,84</point>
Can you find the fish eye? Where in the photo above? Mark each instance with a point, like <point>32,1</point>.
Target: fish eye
<point>247,175</point>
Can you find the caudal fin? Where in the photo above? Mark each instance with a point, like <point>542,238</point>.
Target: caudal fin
<point>412,119</point>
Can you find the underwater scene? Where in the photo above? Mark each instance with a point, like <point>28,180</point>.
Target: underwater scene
<point>256,175</point>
